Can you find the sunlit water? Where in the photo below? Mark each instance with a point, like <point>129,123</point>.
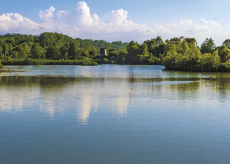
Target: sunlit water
<point>113,114</point>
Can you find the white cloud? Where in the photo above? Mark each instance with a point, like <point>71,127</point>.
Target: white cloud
<point>112,26</point>
<point>118,17</point>
<point>47,14</point>
<point>200,30</point>
<point>15,23</point>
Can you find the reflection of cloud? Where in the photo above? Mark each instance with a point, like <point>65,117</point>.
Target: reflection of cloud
<point>48,106</point>
<point>15,99</point>
<point>120,104</point>
<point>102,94</point>
<point>49,101</point>
<point>121,98</point>
<point>84,112</point>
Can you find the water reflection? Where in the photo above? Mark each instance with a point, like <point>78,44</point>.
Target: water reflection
<point>85,106</point>
<point>86,95</point>
<point>150,116</point>
<point>52,94</point>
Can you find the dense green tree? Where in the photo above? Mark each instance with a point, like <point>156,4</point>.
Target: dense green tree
<point>143,56</point>
<point>133,51</point>
<point>83,53</point>
<point>216,61</point>
<point>179,55</point>
<point>224,54</point>
<point>53,52</point>
<point>113,54</point>
<point>92,52</point>
<point>112,49</point>
<point>48,39</point>
<point>151,46</point>
<point>169,60</point>
<point>227,43</point>
<point>1,54</point>
<point>122,55</point>
<point>208,46</point>
<point>6,51</point>
<point>175,53</point>
<point>64,51</point>
<point>37,51</point>
<point>191,41</point>
<point>211,60</point>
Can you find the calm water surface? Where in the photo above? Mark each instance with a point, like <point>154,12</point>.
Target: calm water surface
<point>113,114</point>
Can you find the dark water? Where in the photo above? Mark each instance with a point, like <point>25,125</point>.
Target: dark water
<point>113,114</point>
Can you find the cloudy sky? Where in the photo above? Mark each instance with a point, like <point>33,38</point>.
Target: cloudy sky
<point>124,20</point>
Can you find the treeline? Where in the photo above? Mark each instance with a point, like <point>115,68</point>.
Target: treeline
<point>28,49</point>
<point>175,53</point>
<point>184,54</point>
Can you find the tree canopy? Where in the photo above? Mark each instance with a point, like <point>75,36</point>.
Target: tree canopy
<point>178,53</point>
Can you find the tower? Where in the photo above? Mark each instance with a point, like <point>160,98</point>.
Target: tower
<point>103,51</point>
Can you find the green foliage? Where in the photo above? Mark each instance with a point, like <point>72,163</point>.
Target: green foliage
<point>185,55</point>
<point>208,46</point>
<point>50,62</point>
<point>121,56</point>
<point>26,49</point>
<point>113,54</point>
<point>216,61</point>
<point>53,48</point>
<point>1,66</point>
<point>37,52</point>
<point>105,61</point>
<point>224,53</point>
<point>211,60</point>
<point>227,43</point>
<point>180,56</point>
<point>88,43</point>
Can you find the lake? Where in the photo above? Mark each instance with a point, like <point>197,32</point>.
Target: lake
<point>113,114</point>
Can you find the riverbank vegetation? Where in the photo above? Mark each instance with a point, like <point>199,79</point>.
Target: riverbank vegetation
<point>58,49</point>
<point>51,48</point>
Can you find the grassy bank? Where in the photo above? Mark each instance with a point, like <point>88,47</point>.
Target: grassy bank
<point>50,62</point>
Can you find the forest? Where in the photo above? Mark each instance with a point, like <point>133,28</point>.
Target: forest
<point>58,49</point>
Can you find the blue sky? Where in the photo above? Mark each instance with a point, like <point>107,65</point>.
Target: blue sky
<point>123,20</point>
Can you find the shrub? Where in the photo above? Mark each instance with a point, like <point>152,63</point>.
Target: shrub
<point>1,66</point>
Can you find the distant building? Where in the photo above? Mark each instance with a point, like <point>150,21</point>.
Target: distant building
<point>103,51</point>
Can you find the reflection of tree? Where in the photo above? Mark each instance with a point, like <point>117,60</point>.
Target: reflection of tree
<point>223,86</point>
<point>32,80</point>
<point>185,90</point>
<point>86,95</point>
<point>50,94</point>
<point>18,93</point>
<point>201,89</point>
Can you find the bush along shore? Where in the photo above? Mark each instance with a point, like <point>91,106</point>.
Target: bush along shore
<point>58,49</point>
<point>49,62</point>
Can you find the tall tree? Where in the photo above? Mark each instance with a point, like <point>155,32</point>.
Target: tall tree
<point>208,46</point>
<point>37,51</point>
<point>224,53</point>
<point>227,43</point>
